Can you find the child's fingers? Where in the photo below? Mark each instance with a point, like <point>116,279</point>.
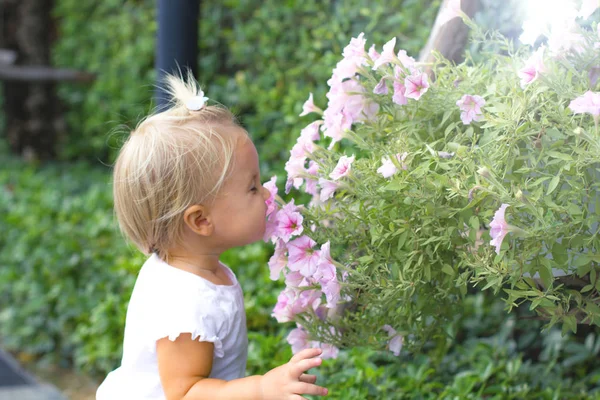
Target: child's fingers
<point>308,378</point>
<point>306,353</point>
<point>307,388</point>
<point>298,368</point>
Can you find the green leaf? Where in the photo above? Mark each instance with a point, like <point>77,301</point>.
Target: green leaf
<point>447,269</point>
<point>562,156</point>
<point>553,184</point>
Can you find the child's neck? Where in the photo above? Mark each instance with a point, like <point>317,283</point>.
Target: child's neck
<point>198,262</point>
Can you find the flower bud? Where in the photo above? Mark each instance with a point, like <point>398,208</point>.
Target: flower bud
<point>483,171</point>
<point>520,196</point>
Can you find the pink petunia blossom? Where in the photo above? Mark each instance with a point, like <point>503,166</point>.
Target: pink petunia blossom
<point>326,270</point>
<point>357,106</point>
<point>309,107</point>
<point>328,188</point>
<point>373,54</point>
<point>307,298</point>
<point>298,340</point>
<point>589,103</point>
<point>387,56</point>
<point>395,342</point>
<point>289,222</point>
<point>272,188</point>
<point>295,168</point>
<point>283,311</point>
<point>451,11</point>
<point>381,87</point>
<point>406,61</point>
<point>302,256</point>
<point>329,351</point>
<point>388,168</point>
<point>272,226</point>
<point>399,97</point>
<point>416,85</point>
<point>331,290</point>
<point>295,279</point>
<point>499,228</point>
<point>311,184</point>
<point>470,105</point>
<point>356,47</point>
<point>304,145</point>
<point>342,168</point>
<point>533,67</point>
<point>278,260</point>
<point>335,126</point>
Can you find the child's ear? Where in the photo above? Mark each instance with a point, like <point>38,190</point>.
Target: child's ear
<point>196,218</point>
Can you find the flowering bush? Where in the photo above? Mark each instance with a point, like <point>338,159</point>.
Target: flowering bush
<point>433,178</point>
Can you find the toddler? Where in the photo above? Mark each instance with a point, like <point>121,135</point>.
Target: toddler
<point>186,188</point>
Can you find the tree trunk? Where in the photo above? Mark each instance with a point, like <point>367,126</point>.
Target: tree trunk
<point>31,108</point>
<point>451,38</point>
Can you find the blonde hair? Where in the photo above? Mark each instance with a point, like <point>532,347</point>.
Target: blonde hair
<point>172,160</point>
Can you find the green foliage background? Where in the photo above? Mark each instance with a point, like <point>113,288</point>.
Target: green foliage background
<point>66,274</point>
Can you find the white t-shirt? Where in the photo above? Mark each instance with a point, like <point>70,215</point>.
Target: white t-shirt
<point>166,302</point>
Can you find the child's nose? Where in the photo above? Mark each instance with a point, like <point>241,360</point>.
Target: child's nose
<point>265,192</point>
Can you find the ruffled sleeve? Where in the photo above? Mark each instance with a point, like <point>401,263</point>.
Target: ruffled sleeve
<point>182,313</point>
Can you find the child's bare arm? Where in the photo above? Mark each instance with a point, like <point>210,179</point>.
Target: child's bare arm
<point>185,364</point>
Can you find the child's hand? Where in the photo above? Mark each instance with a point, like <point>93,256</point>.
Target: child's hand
<point>289,380</point>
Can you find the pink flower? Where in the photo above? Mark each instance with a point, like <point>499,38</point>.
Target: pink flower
<point>307,298</point>
<point>373,54</point>
<point>295,279</point>
<point>387,56</point>
<point>406,61</point>
<point>381,87</point>
<point>470,105</point>
<point>388,168</point>
<point>295,169</point>
<point>395,342</point>
<point>342,168</point>
<point>298,340</point>
<point>309,106</point>
<point>331,290</point>
<point>311,184</point>
<point>302,256</point>
<point>416,85</point>
<point>533,67</point>
<point>327,189</point>
<point>278,260</point>
<point>335,126</point>
<point>399,97</point>
<point>326,271</point>
<point>588,103</point>
<point>450,12</point>
<point>283,308</point>
<point>499,228</point>
<point>356,48</point>
<point>329,350</point>
<point>289,222</point>
<point>311,131</point>
<point>357,106</point>
<point>272,226</point>
<point>272,188</point>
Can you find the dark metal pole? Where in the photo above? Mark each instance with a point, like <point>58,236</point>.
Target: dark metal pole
<point>177,41</point>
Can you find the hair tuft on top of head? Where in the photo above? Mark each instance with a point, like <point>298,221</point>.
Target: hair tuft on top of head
<point>180,90</point>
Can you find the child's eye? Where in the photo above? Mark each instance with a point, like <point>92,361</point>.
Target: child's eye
<point>254,189</point>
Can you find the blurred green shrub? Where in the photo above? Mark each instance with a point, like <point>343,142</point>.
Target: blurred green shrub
<point>260,58</point>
